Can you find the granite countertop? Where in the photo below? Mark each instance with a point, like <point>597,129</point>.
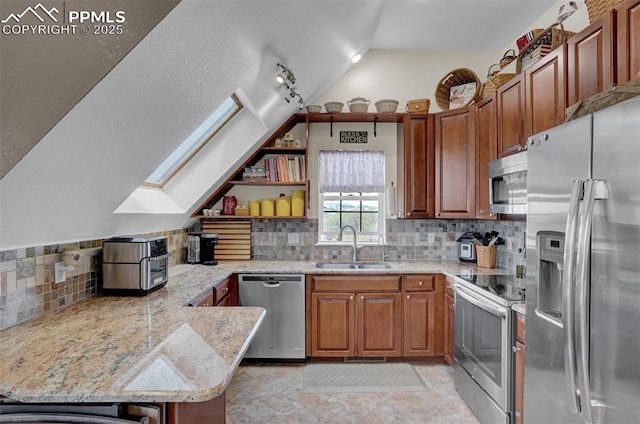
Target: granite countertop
<point>151,348</point>
<point>520,308</point>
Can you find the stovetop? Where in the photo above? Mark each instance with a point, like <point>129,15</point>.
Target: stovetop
<point>505,289</point>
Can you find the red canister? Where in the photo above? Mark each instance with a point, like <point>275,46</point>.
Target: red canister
<point>229,204</point>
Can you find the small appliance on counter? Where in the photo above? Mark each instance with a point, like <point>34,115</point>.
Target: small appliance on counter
<point>135,265</point>
<point>193,250</point>
<point>466,247</point>
<point>208,242</point>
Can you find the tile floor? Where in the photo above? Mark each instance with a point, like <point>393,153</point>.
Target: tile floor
<point>273,394</point>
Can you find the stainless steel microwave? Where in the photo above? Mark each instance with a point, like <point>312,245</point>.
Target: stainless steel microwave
<point>508,184</point>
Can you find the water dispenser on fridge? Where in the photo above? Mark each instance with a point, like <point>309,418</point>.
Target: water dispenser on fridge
<point>550,267</point>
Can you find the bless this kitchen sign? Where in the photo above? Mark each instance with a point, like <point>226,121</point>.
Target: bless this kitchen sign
<point>353,137</point>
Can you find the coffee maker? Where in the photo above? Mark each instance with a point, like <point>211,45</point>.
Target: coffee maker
<point>208,242</point>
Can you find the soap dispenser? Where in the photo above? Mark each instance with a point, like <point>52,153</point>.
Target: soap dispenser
<point>521,264</point>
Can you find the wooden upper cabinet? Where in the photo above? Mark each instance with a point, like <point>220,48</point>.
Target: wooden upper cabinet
<point>511,132</point>
<point>416,162</point>
<point>591,64</point>
<point>486,151</point>
<point>455,176</point>
<point>546,92</point>
<point>628,40</point>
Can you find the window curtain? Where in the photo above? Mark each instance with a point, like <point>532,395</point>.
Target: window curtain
<point>351,171</point>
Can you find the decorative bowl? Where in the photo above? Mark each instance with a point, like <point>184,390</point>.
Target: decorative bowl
<point>387,106</point>
<point>314,108</point>
<point>358,105</point>
<point>333,107</point>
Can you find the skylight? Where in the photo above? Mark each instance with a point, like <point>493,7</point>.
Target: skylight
<point>194,142</point>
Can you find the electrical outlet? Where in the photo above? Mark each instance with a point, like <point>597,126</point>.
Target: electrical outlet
<point>431,238</point>
<point>61,274</point>
<point>293,238</point>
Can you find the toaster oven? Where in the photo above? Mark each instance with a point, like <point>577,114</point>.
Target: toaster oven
<point>134,265</point>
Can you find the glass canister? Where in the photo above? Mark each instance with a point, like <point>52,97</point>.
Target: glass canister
<point>229,204</point>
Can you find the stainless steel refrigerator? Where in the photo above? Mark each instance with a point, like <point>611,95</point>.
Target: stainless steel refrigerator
<point>582,355</point>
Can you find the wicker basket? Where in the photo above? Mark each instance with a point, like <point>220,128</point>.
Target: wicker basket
<point>418,106</point>
<point>494,80</point>
<point>550,39</point>
<point>597,8</point>
<point>456,77</point>
<point>241,211</point>
<point>486,256</point>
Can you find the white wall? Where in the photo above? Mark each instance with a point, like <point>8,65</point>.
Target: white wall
<point>405,75</point>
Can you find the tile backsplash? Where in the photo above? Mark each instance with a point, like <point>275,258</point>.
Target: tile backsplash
<point>28,288</point>
<point>406,240</point>
<point>27,276</point>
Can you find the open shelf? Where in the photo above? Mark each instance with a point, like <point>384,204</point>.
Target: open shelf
<point>247,217</point>
<point>355,117</point>
<point>269,183</point>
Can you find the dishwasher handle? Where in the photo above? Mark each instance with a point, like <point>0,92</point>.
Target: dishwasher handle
<point>271,284</point>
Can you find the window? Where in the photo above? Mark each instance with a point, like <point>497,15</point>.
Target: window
<point>194,142</point>
<point>351,185</point>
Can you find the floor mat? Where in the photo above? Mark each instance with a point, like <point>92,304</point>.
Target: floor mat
<point>339,378</point>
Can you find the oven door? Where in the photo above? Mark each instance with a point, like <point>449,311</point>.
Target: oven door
<point>482,343</point>
<point>155,271</point>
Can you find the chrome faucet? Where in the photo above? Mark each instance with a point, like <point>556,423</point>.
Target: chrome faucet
<point>381,237</point>
<point>355,244</point>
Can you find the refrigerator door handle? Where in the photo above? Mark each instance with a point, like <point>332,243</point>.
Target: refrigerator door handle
<point>583,286</point>
<point>568,297</point>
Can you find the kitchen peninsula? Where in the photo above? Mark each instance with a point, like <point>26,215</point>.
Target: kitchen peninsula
<point>151,349</point>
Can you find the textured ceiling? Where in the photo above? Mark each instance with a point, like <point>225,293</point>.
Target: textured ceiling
<point>455,24</point>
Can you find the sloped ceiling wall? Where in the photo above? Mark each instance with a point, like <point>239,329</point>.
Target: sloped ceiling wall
<point>70,183</point>
<point>44,76</point>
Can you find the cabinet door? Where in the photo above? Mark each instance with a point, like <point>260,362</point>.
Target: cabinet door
<point>333,326</point>
<point>227,292</point>
<point>448,328</point>
<point>628,40</point>
<point>591,64</point>
<point>455,163</point>
<point>511,132</point>
<point>419,316</point>
<point>519,383</point>
<point>379,324</point>
<point>545,92</point>
<point>486,151</point>
<point>416,159</point>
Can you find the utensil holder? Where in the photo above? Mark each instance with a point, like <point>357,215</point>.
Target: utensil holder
<point>486,256</point>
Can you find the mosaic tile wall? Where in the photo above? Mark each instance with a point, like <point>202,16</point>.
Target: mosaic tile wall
<point>27,277</point>
<point>407,240</point>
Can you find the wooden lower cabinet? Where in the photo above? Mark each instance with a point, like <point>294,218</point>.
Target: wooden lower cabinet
<point>226,292</point>
<point>422,315</point>
<point>210,411</point>
<point>519,370</point>
<point>379,324</point>
<point>354,315</point>
<point>449,315</point>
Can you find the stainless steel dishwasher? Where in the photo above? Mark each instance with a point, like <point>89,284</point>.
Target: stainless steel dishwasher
<point>282,332</point>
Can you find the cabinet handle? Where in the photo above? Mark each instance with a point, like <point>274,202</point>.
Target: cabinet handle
<point>515,349</point>
<point>361,297</point>
<point>420,283</point>
<point>490,214</point>
<point>437,213</point>
<point>351,297</point>
<point>449,286</point>
<point>225,289</point>
<point>408,297</point>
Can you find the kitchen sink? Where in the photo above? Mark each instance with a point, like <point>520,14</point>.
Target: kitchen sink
<point>352,265</point>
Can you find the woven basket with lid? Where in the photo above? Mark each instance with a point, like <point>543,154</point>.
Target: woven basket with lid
<point>597,8</point>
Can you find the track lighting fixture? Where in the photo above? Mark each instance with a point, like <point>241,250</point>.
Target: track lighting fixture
<point>287,79</point>
<point>286,75</point>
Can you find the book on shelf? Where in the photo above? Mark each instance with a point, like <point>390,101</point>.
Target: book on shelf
<point>285,168</point>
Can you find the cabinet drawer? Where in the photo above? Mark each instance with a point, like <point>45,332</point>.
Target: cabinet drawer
<point>520,328</point>
<point>419,282</point>
<point>222,290</point>
<point>355,283</point>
